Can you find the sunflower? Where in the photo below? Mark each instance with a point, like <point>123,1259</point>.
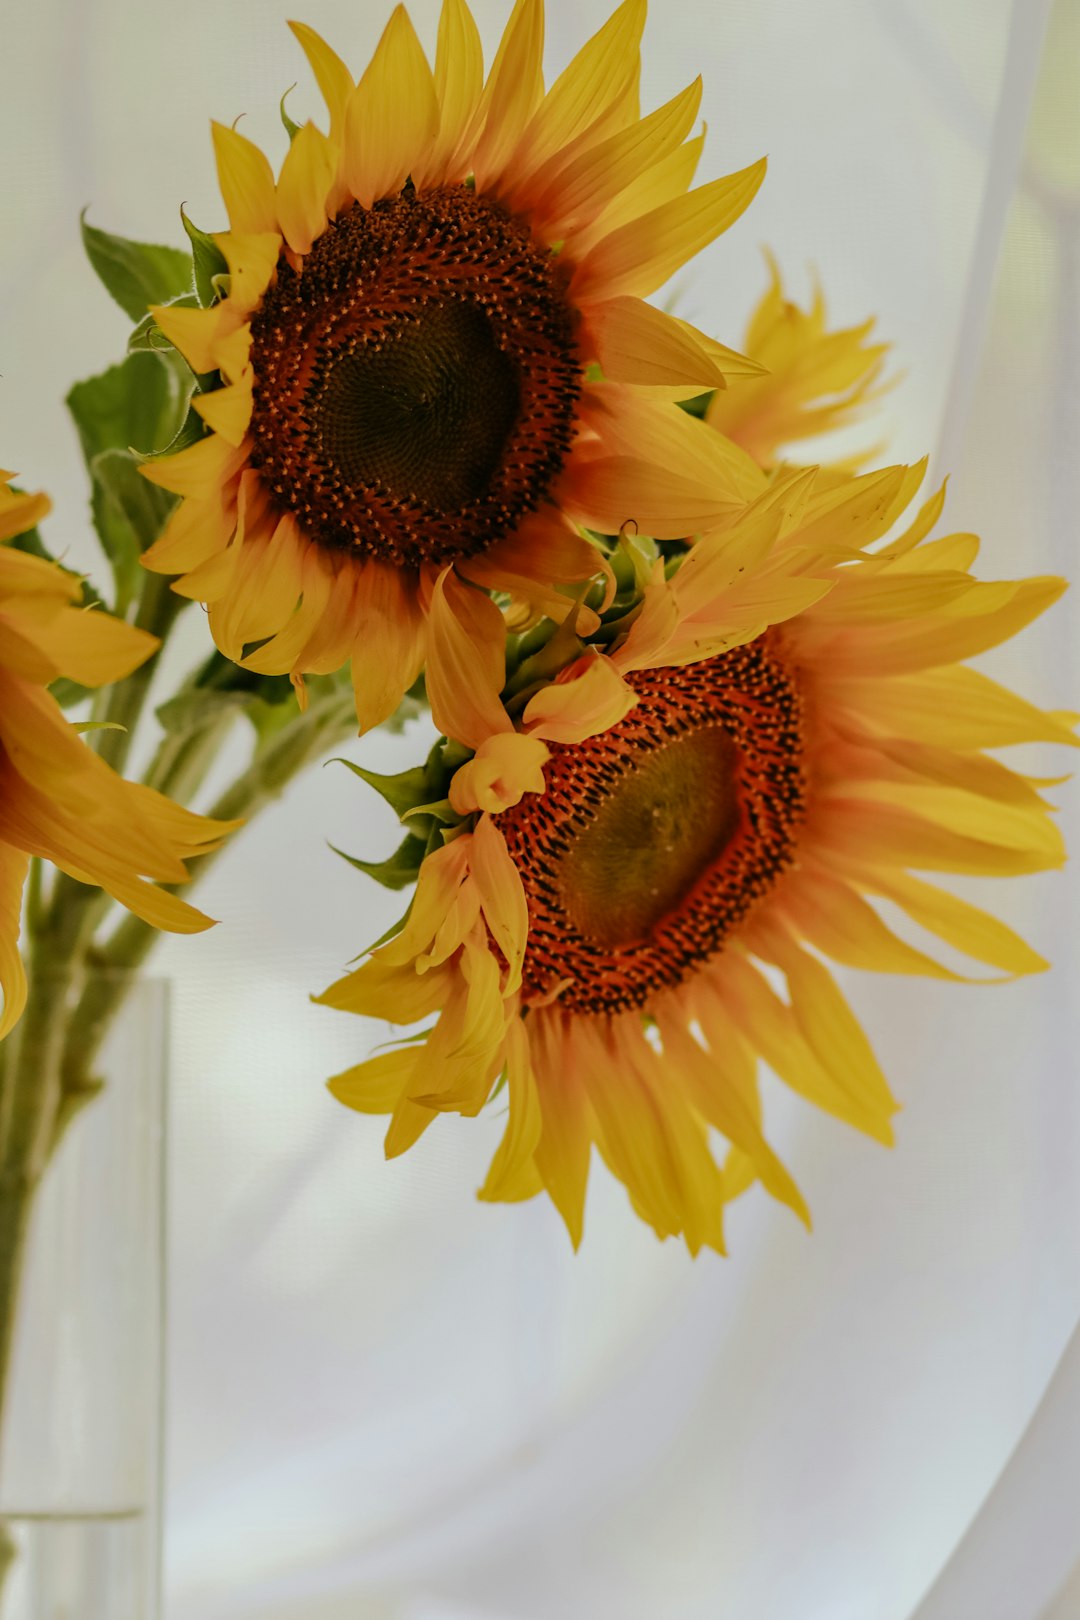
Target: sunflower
<point>407,361</point>
<point>58,799</point>
<point>815,379</point>
<point>770,738</point>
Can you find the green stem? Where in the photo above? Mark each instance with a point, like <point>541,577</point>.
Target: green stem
<point>326,723</point>
<point>159,608</point>
<point>30,1104</point>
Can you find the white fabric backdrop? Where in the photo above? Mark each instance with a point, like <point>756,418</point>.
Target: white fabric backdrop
<point>390,1403</point>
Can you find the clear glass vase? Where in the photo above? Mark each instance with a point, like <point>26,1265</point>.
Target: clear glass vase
<point>81,1451</point>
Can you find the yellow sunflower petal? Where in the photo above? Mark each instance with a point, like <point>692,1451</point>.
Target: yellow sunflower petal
<point>227,411</point>
<point>501,897</point>
<point>670,178</point>
<point>513,89</point>
<point>252,258</point>
<point>563,1151</point>
<point>773,1028</point>
<point>966,927</point>
<point>641,256</point>
<point>513,1174</point>
<point>722,1083</point>
<point>196,332</point>
<point>331,75</point>
<point>459,79</point>
<point>597,76</point>
<point>19,512</point>
<point>392,115</point>
<point>570,200</point>
<point>246,180</point>
<point>377,1085</point>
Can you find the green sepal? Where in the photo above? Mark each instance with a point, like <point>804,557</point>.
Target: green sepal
<point>136,274</point>
<point>440,810</point>
<point>292,129</point>
<point>402,792</point>
<point>208,261</point>
<point>699,405</point>
<point>397,872</point>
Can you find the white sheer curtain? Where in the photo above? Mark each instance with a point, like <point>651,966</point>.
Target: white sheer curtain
<point>390,1403</point>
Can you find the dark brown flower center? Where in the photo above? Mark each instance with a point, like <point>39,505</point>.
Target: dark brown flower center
<point>416,379</point>
<point>655,840</point>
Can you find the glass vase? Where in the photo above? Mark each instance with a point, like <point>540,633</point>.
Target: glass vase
<point>81,1451</point>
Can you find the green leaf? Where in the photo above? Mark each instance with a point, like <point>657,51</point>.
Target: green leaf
<point>399,871</point>
<point>194,710</point>
<point>136,274</point>
<point>208,261</point>
<point>129,515</point>
<point>138,404</point>
<point>402,792</point>
<point>142,401</point>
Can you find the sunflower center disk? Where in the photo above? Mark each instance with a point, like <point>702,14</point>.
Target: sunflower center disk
<point>662,823</point>
<point>656,839</point>
<point>416,380</point>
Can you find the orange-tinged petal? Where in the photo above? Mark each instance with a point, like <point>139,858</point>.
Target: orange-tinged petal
<point>398,994</point>
<point>466,663</point>
<point>246,180</point>
<point>773,1028</point>
<point>612,493</point>
<point>587,697</point>
<point>390,641</point>
<point>503,768</point>
<point>93,648</point>
<point>13,868</point>
<point>966,927</point>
